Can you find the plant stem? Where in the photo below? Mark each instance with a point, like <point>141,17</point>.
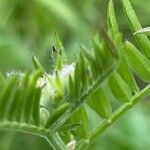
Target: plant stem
<point>56,142</point>
<point>81,100</point>
<point>24,128</point>
<point>122,110</point>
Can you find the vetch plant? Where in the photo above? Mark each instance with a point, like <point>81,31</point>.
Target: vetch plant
<point>56,105</point>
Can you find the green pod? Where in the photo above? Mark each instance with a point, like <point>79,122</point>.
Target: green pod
<point>56,114</point>
<point>135,25</point>
<point>138,61</point>
<point>100,103</point>
<point>120,89</point>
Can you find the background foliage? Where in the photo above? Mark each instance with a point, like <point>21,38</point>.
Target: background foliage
<point>26,27</point>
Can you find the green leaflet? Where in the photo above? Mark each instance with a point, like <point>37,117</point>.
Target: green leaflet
<point>58,48</point>
<point>6,95</point>
<point>19,99</point>
<point>135,25</point>
<point>36,104</point>
<point>11,111</point>
<point>119,88</point>
<point>109,46</point>
<point>58,81</point>
<point>131,16</point>
<point>91,59</point>
<point>111,19</point>
<point>113,29</point>
<point>59,62</point>
<point>126,74</point>
<point>98,53</point>
<point>57,42</point>
<point>99,102</point>
<point>29,99</point>
<point>138,61</point>
<point>81,117</point>
<point>57,56</point>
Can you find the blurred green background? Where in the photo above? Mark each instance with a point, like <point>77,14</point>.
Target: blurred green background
<point>27,26</point>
